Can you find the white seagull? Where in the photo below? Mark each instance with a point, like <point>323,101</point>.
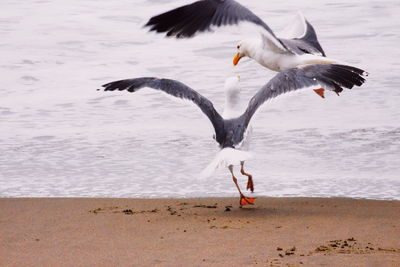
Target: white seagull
<point>300,47</point>
<point>231,128</point>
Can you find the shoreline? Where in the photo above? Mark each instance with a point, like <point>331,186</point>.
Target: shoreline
<point>199,232</point>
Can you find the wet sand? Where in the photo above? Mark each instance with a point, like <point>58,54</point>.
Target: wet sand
<point>199,232</point>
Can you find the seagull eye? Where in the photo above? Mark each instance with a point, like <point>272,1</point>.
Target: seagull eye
<point>238,47</point>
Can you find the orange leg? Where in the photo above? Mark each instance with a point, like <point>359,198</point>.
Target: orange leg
<point>243,199</point>
<point>250,183</point>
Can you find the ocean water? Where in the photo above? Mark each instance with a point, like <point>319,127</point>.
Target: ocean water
<point>60,137</point>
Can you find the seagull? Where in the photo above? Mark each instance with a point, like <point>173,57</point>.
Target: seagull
<point>300,47</point>
<point>232,128</point>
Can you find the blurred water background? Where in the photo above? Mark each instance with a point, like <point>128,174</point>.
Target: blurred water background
<point>60,137</point>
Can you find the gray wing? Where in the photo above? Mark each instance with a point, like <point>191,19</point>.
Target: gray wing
<point>200,16</point>
<point>307,44</point>
<point>331,77</point>
<point>173,88</point>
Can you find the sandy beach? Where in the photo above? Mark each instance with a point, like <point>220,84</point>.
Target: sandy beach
<point>199,232</point>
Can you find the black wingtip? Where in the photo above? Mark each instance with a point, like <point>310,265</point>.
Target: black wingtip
<point>152,23</point>
<point>105,86</point>
<point>146,25</point>
<point>345,76</point>
<point>112,86</point>
<point>185,21</point>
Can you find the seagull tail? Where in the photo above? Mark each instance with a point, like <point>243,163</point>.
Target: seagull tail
<point>226,157</point>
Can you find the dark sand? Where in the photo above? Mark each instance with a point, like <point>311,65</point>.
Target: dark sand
<point>199,232</point>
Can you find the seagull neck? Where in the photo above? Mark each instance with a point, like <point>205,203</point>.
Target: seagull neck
<point>232,107</point>
<point>252,47</point>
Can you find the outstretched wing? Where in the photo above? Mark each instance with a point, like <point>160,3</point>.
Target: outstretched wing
<point>200,16</point>
<point>173,88</point>
<point>300,37</point>
<point>318,77</point>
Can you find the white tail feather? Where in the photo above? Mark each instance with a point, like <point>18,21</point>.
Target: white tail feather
<point>226,157</point>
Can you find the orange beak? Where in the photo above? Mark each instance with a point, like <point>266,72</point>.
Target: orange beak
<point>236,59</point>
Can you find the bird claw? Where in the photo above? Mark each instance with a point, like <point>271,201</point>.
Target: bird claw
<point>320,92</point>
<point>244,201</point>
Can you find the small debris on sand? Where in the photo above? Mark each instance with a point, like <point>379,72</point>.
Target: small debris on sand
<point>125,211</point>
<point>205,206</point>
<point>131,212</point>
<point>128,211</point>
<point>350,246</point>
<point>290,251</point>
<point>321,248</point>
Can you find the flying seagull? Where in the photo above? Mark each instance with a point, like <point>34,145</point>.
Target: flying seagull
<point>300,46</point>
<point>231,129</point>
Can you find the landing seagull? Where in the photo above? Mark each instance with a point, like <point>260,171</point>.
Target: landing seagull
<point>300,46</point>
<point>231,129</point>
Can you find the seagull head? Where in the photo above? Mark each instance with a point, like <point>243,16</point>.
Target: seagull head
<point>246,48</point>
<point>240,53</point>
<point>231,86</point>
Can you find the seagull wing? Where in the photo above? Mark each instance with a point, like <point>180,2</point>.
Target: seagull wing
<point>318,77</point>
<point>200,16</point>
<point>300,37</point>
<point>296,28</point>
<point>173,88</point>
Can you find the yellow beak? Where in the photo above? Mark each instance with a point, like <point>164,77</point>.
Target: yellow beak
<point>236,59</point>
